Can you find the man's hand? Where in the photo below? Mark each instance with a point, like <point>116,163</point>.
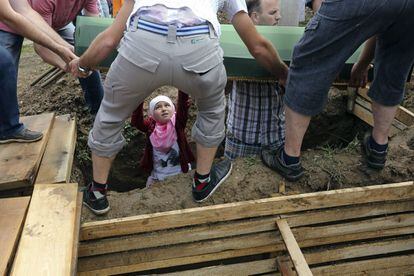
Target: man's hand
<point>74,69</point>
<point>359,75</point>
<point>66,53</point>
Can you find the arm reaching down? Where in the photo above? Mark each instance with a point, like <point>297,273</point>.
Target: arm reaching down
<point>29,29</point>
<point>359,73</point>
<point>104,43</point>
<point>259,47</point>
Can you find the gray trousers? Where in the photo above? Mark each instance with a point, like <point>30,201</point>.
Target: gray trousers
<point>146,61</point>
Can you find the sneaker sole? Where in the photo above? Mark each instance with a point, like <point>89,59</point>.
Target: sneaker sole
<point>97,212</point>
<point>20,140</point>
<point>375,166</point>
<point>218,185</point>
<point>288,178</point>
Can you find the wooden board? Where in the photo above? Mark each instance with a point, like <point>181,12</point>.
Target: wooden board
<point>403,115</point>
<point>227,229</point>
<point>76,229</point>
<point>299,261</point>
<point>366,116</point>
<point>217,249</point>
<point>367,105</point>
<point>19,162</point>
<point>56,164</point>
<point>46,245</point>
<point>247,209</point>
<point>12,213</point>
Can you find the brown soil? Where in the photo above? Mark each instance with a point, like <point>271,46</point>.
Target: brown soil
<point>331,153</point>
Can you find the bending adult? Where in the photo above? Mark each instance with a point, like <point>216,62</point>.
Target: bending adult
<point>168,43</point>
<point>331,37</point>
<point>11,130</point>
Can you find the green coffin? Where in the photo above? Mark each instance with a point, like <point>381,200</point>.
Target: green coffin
<point>237,59</point>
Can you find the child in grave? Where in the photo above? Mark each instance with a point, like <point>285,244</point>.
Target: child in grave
<point>167,151</point>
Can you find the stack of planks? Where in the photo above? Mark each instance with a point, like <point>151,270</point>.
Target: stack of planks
<point>12,214</point>
<point>349,231</point>
<point>362,109</point>
<point>43,240</point>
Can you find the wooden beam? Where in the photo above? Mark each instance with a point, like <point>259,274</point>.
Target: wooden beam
<point>245,268</point>
<point>367,105</point>
<point>12,214</point>
<point>403,115</point>
<point>56,165</point>
<point>76,230</point>
<point>366,116</point>
<point>216,249</point>
<point>227,229</point>
<point>397,265</point>
<point>247,209</point>
<point>46,243</point>
<point>299,261</point>
<point>19,162</point>
<point>364,249</point>
<point>285,267</point>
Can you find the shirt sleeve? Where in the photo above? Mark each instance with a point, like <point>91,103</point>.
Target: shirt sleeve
<point>231,7</point>
<point>91,6</point>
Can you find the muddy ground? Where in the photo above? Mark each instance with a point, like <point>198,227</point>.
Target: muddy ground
<point>331,153</point>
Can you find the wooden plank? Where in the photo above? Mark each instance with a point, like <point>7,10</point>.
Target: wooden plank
<point>56,165</point>
<point>46,243</point>
<point>12,214</point>
<point>367,105</point>
<point>398,265</point>
<point>134,267</point>
<point>217,249</point>
<point>221,230</point>
<point>284,266</point>
<point>366,116</point>
<point>245,268</point>
<point>365,249</point>
<point>19,162</point>
<point>246,209</point>
<point>403,115</point>
<point>128,262</point>
<point>76,230</point>
<point>299,261</point>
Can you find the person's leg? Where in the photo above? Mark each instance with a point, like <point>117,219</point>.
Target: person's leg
<point>204,78</point>
<point>296,126</point>
<point>330,38</point>
<point>383,118</point>
<point>92,85</point>
<point>13,43</point>
<point>126,86</point>
<point>9,109</point>
<point>394,58</point>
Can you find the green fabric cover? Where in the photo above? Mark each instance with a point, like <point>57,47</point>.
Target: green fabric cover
<point>237,59</point>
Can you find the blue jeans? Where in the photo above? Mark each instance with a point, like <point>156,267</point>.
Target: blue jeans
<point>334,34</point>
<point>9,109</point>
<point>91,86</point>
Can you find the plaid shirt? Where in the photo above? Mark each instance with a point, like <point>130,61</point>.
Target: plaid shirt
<point>255,118</point>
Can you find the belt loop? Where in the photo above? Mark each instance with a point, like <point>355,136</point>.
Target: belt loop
<point>134,23</point>
<point>172,34</point>
<point>212,32</point>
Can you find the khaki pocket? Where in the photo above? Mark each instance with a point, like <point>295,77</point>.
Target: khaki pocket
<point>140,58</point>
<point>205,63</point>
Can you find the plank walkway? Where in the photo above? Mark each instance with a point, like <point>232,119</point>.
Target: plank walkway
<point>12,214</point>
<point>19,162</point>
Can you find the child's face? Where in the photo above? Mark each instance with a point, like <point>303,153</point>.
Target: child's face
<point>163,112</point>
